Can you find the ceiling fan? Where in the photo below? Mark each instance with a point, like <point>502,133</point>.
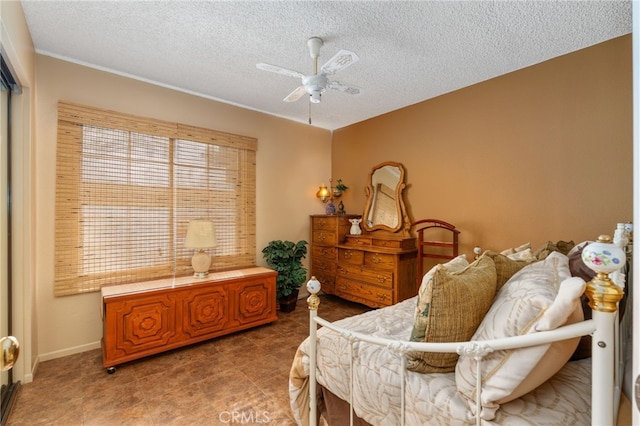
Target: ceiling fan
<point>317,83</point>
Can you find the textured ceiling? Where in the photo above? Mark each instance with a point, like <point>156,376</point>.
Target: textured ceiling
<point>409,51</point>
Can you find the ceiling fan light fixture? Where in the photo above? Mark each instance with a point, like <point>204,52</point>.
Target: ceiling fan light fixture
<point>315,96</point>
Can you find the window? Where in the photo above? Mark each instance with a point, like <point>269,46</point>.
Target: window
<point>127,188</point>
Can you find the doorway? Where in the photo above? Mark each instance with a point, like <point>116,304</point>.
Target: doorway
<point>8,85</point>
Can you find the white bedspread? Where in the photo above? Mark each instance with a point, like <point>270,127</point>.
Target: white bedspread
<point>430,398</point>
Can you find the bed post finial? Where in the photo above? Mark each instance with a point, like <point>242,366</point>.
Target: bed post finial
<point>603,257</point>
<point>313,286</point>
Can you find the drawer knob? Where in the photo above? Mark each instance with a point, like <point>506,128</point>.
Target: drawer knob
<point>376,259</point>
<point>381,296</point>
<point>348,255</point>
<point>381,279</point>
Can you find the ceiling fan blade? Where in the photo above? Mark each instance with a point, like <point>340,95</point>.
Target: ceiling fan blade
<point>296,94</point>
<point>340,61</point>
<point>279,70</point>
<point>344,88</point>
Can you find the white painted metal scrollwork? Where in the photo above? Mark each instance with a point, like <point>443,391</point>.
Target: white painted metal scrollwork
<point>474,349</point>
<point>478,350</point>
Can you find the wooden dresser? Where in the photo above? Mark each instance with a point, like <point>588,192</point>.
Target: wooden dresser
<point>327,231</point>
<point>146,318</point>
<point>376,270</point>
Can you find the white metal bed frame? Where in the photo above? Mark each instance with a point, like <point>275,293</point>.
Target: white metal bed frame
<point>606,355</point>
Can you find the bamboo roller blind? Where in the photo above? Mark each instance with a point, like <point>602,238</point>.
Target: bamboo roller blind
<point>127,188</point>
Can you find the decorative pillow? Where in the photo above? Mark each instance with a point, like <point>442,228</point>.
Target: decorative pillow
<point>526,254</point>
<point>425,294</point>
<point>528,302</point>
<point>455,264</point>
<point>514,250</point>
<point>505,267</point>
<point>452,306</point>
<point>561,246</point>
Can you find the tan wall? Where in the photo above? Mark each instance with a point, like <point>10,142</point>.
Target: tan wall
<point>292,160</point>
<point>544,153</point>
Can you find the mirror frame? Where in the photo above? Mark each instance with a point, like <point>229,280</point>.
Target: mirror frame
<point>403,221</point>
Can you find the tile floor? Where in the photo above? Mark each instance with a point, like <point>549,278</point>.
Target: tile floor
<point>237,379</point>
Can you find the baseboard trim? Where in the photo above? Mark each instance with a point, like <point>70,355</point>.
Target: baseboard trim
<point>69,351</point>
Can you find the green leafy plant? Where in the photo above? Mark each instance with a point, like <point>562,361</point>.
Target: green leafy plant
<point>285,257</point>
<point>341,186</point>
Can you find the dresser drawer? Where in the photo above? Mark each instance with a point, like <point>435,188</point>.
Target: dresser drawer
<point>356,290</point>
<point>327,281</point>
<point>323,265</point>
<point>325,223</point>
<point>324,252</point>
<point>380,260</point>
<point>350,257</point>
<point>324,237</point>
<point>370,276</point>
<point>358,240</point>
<point>401,244</point>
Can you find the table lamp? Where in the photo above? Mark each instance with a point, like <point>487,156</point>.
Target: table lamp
<point>201,235</point>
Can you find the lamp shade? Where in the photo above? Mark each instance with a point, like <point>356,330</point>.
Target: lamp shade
<point>323,193</point>
<point>201,234</point>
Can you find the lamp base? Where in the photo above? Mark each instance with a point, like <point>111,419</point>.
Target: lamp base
<point>200,263</point>
<point>201,274</point>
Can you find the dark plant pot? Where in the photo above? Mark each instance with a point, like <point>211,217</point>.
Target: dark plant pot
<point>288,303</point>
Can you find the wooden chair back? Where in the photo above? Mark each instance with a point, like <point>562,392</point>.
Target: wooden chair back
<point>446,249</point>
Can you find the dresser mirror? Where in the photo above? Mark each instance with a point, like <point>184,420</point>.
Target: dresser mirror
<point>385,209</point>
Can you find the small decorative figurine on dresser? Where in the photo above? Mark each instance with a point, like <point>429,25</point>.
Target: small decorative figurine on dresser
<point>355,226</point>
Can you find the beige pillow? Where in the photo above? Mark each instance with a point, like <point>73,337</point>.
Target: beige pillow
<point>505,267</point>
<point>530,301</point>
<point>454,304</point>
<point>424,292</point>
<point>514,250</point>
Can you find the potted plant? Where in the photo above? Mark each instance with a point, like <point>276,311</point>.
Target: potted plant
<point>285,257</point>
<point>339,189</point>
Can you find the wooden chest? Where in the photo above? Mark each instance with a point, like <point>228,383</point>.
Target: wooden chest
<point>146,318</point>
